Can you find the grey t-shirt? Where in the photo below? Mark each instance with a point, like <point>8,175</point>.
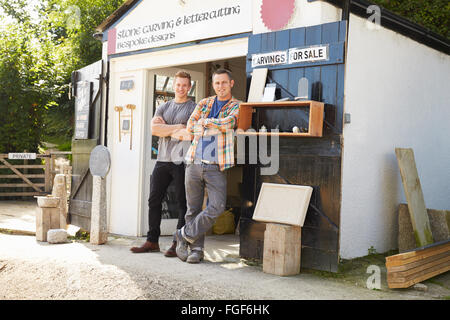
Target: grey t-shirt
<point>171,149</point>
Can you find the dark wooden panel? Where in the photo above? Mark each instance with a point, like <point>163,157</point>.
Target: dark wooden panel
<point>342,30</point>
<point>81,193</point>
<point>282,40</point>
<point>81,150</point>
<point>304,161</point>
<point>80,213</point>
<point>251,238</point>
<point>320,260</point>
<point>297,37</point>
<point>313,35</point>
<point>80,208</point>
<point>329,32</point>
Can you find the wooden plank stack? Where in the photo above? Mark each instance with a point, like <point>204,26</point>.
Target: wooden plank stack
<point>409,268</point>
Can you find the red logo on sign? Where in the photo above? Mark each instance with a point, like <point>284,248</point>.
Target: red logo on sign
<point>276,13</point>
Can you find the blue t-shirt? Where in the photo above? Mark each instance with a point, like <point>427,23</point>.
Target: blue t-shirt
<point>207,145</point>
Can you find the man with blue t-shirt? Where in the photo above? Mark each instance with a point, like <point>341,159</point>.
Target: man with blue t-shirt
<point>210,154</point>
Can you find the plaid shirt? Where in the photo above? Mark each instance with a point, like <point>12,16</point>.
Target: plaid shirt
<point>222,126</point>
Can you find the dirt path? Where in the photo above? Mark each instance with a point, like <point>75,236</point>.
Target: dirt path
<point>78,270</point>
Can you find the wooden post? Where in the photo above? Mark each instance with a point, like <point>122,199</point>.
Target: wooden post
<point>414,197</point>
<point>282,248</point>
<point>48,175</point>
<point>42,223</point>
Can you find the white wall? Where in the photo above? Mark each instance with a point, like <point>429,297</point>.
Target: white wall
<point>305,14</point>
<point>398,94</point>
<point>125,177</point>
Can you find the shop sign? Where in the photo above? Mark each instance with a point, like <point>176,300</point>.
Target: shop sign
<point>310,54</point>
<point>82,109</point>
<point>294,55</point>
<point>126,85</point>
<point>270,58</point>
<point>178,22</point>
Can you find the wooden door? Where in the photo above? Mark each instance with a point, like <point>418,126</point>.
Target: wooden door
<point>86,137</point>
<point>307,161</point>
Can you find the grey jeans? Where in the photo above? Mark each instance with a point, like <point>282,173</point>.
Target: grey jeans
<point>197,178</point>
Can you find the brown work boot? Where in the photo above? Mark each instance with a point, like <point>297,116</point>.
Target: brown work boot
<point>171,252</point>
<point>146,247</point>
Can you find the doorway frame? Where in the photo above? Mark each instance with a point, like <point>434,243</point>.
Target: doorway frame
<point>148,163</point>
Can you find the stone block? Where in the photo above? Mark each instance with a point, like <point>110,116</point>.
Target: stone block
<point>56,236</point>
<point>438,223</point>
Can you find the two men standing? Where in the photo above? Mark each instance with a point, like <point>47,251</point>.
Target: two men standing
<point>211,124</point>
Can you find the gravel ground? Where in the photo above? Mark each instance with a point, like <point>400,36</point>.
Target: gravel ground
<point>79,270</point>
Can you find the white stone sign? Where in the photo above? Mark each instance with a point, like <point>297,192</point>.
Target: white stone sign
<point>310,54</point>
<point>180,21</point>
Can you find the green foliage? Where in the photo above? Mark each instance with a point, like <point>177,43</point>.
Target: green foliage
<point>371,251</point>
<point>434,14</point>
<point>39,48</point>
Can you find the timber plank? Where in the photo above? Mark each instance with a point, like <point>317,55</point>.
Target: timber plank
<point>14,194</point>
<point>24,166</point>
<point>409,283</point>
<point>14,176</point>
<point>413,256</point>
<point>414,196</point>
<point>417,269</point>
<point>440,268</point>
<point>418,263</point>
<point>12,185</point>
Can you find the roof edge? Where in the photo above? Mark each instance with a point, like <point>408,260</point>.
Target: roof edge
<point>398,24</point>
<point>116,15</point>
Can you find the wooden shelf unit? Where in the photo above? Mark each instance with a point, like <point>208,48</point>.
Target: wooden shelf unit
<point>315,125</point>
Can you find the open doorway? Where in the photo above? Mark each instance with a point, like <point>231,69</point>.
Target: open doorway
<point>159,91</point>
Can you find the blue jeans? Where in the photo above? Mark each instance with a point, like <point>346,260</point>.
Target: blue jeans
<point>198,178</point>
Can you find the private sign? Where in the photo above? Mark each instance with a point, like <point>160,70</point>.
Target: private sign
<point>22,156</point>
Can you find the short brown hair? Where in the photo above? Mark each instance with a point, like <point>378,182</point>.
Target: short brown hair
<point>183,74</point>
<point>222,71</point>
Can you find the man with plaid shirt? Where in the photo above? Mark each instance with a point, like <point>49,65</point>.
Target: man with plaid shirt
<point>210,154</point>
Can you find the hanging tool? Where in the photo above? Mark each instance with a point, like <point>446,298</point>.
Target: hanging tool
<point>119,109</point>
<point>131,107</point>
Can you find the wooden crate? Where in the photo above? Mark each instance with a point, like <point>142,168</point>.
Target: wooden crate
<point>409,268</point>
<point>315,125</point>
<point>282,249</point>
